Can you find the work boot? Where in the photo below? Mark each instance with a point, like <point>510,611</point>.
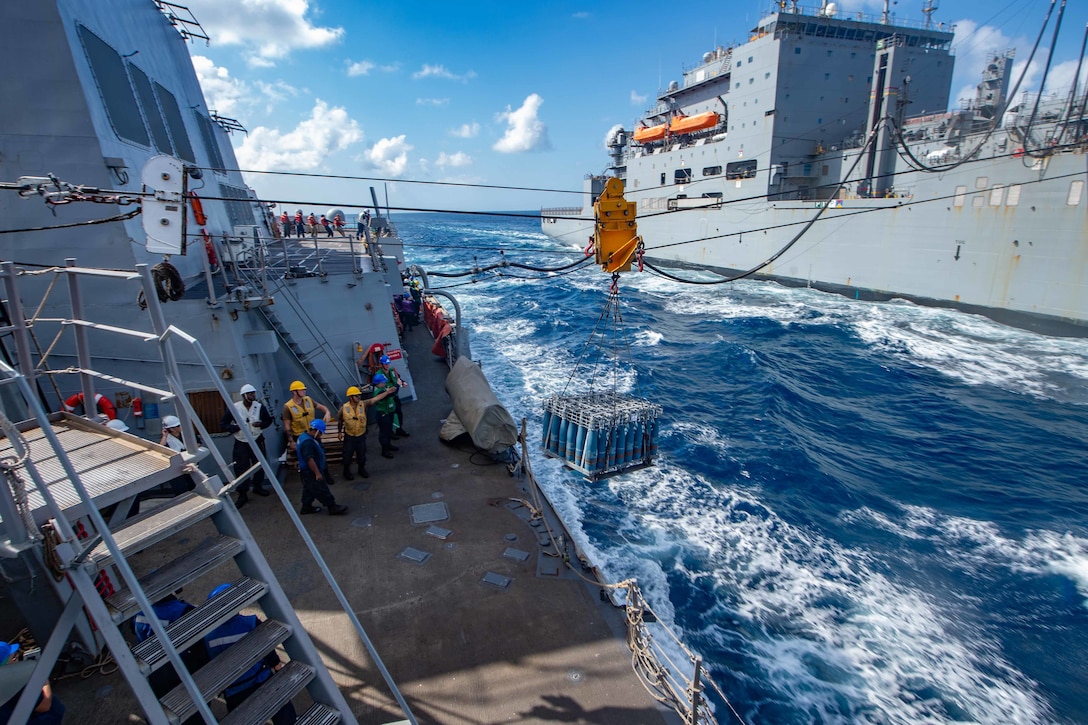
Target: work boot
<point>348,476</point>
<point>404,433</point>
<point>262,491</point>
<point>241,501</point>
<point>394,448</point>
<point>363,473</point>
<point>309,510</point>
<point>337,509</point>
<point>386,454</point>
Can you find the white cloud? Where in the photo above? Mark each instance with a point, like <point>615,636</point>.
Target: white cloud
<point>267,30</point>
<point>458,159</point>
<point>307,146</point>
<point>466,130</point>
<point>223,93</point>
<point>581,15</point>
<point>432,101</point>
<point>390,155</point>
<point>637,100</point>
<point>360,68</point>
<point>524,131</point>
<point>439,71</point>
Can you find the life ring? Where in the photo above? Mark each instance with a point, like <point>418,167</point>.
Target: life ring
<point>102,402</point>
<point>198,209</point>
<point>168,282</point>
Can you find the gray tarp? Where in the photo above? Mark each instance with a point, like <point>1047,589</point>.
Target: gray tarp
<point>480,413</point>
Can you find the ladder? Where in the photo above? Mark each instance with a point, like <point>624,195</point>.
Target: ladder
<point>25,503</point>
<point>300,356</point>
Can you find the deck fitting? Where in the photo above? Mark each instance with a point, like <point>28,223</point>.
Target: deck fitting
<point>427,513</point>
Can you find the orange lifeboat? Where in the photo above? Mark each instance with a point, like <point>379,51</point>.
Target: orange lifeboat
<point>650,133</point>
<point>698,122</point>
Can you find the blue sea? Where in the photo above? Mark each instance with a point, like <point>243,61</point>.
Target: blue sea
<point>860,512</point>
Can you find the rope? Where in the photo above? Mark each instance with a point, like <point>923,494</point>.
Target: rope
<point>52,559</point>
<point>168,284</point>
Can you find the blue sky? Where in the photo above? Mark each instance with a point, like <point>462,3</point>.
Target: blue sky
<point>515,94</point>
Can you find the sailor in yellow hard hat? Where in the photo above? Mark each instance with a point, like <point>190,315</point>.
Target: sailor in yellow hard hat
<point>299,412</point>
<point>352,432</point>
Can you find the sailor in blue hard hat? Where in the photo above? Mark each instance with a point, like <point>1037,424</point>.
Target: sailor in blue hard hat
<point>222,638</point>
<point>14,674</point>
<point>386,369</point>
<point>313,471</point>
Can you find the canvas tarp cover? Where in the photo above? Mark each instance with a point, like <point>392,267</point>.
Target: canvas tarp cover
<point>480,413</point>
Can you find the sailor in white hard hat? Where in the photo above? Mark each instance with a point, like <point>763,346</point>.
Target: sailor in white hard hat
<point>256,418</point>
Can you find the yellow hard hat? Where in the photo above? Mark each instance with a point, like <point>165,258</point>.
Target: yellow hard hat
<point>298,385</point>
<point>354,391</point>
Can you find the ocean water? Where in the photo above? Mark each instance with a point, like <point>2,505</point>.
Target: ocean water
<point>860,513</point>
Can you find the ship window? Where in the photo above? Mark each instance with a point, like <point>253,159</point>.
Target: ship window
<point>741,169</point>
<point>961,196</point>
<point>982,182</point>
<point>712,195</point>
<point>766,75</point>
<point>827,76</point>
<point>113,84</point>
<point>997,195</point>
<point>797,51</point>
<point>1013,199</point>
<point>749,59</point>
<point>662,178</point>
<point>751,81</point>
<point>177,126</point>
<point>681,176</point>
<point>977,201</point>
<point>740,63</point>
<point>1076,188</point>
<point>712,171</point>
<point>146,95</point>
<point>239,210</point>
<point>208,132</point>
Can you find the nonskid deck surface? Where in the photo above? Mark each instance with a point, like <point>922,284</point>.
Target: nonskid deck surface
<point>462,647</point>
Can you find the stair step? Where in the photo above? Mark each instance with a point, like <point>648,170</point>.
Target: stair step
<point>319,714</point>
<point>209,554</point>
<point>272,695</point>
<point>150,528</point>
<point>218,674</point>
<point>195,624</point>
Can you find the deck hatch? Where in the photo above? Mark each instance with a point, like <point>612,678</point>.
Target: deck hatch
<point>414,555</point>
<point>427,513</point>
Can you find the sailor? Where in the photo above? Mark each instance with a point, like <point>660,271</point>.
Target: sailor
<point>338,225</point>
<point>386,409</point>
<point>220,639</point>
<point>168,610</point>
<point>257,418</point>
<point>391,375</point>
<point>299,411</point>
<point>285,222</point>
<point>311,221</point>
<point>352,429</point>
<point>313,471</point>
<point>171,434</point>
<point>299,225</point>
<point>14,674</point>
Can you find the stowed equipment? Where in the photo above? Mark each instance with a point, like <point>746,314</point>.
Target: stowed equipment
<point>605,432</point>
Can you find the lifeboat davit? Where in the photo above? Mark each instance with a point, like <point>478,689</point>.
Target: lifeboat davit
<point>698,122</point>
<point>650,133</point>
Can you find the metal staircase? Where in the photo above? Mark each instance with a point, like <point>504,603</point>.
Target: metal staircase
<point>36,491</point>
<point>304,360</point>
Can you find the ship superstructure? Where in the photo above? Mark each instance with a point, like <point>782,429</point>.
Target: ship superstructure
<point>844,116</point>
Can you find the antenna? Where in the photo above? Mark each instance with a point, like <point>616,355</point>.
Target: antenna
<point>884,15</point>
<point>928,8</point>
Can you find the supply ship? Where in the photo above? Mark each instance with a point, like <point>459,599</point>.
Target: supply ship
<point>819,153</point>
<point>142,273</point>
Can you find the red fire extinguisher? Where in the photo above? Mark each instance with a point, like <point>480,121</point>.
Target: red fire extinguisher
<point>138,407</point>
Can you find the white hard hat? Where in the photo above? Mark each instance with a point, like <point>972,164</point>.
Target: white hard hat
<point>171,421</point>
<point>247,388</point>
<point>117,424</point>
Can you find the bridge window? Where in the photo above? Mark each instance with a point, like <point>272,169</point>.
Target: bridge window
<point>712,171</point>
<point>682,176</point>
<point>146,94</point>
<point>177,125</point>
<point>113,84</point>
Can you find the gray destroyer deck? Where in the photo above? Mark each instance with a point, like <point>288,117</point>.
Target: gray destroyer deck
<point>462,647</point>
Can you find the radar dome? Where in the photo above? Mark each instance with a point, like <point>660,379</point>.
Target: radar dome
<point>831,9</point>
<point>707,57</point>
<point>331,214</point>
<point>674,86</point>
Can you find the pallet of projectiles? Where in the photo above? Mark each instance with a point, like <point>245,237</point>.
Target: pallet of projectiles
<point>600,434</point>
